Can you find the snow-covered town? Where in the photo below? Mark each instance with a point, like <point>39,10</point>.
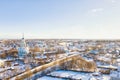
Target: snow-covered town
<point>59,39</point>
<point>96,59</point>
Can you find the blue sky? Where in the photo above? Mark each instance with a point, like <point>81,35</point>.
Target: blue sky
<point>83,19</point>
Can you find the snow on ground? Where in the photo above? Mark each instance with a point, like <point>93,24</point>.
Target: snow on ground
<point>61,73</point>
<point>80,76</point>
<point>49,78</point>
<point>11,71</point>
<point>108,66</point>
<point>70,74</point>
<point>77,75</point>
<point>118,60</point>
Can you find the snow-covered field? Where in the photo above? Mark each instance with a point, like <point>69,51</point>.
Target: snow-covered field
<point>64,74</point>
<point>49,78</point>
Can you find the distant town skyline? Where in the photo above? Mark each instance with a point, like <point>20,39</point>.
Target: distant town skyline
<point>74,19</point>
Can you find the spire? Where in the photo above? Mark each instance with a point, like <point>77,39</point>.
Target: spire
<point>23,43</point>
<point>23,36</point>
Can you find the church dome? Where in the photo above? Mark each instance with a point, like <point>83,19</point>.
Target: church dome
<point>22,51</point>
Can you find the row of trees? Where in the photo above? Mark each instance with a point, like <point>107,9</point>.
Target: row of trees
<point>80,64</point>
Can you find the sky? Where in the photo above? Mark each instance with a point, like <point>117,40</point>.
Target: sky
<point>61,19</point>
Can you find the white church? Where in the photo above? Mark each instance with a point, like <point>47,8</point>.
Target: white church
<point>23,49</point>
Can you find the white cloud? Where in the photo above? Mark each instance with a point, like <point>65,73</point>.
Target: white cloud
<point>96,11</point>
<point>111,1</point>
